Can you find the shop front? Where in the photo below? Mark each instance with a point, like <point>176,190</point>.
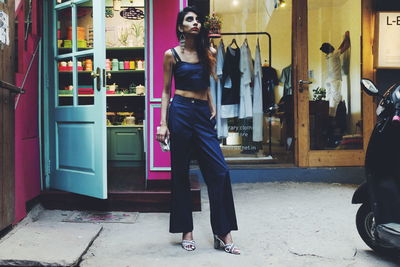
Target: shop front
<point>103,84</point>
<point>92,75</point>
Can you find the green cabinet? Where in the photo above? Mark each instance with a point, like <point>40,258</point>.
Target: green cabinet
<point>125,143</point>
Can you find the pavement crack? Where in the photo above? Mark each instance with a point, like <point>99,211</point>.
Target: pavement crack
<point>79,261</point>
<point>307,255</point>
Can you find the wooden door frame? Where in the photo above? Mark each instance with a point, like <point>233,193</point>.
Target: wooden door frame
<point>304,157</point>
<point>7,122</point>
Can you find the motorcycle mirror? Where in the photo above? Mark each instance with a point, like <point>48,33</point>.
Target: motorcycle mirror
<point>369,87</point>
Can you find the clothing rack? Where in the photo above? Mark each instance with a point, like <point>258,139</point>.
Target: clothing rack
<point>256,33</point>
<point>270,64</point>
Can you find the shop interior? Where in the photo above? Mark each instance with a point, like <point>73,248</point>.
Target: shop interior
<point>125,83</point>
<point>334,95</point>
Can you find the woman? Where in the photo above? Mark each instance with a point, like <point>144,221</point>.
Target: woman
<point>190,129</point>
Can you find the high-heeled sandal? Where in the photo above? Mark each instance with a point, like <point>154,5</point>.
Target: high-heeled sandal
<point>188,245</point>
<point>228,248</point>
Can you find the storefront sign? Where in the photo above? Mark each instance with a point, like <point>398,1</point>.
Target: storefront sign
<point>388,40</point>
<point>132,13</point>
<point>4,29</point>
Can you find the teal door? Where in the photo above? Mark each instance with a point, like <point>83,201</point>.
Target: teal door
<point>78,121</point>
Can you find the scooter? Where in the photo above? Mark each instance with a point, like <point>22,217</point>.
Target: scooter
<point>378,218</point>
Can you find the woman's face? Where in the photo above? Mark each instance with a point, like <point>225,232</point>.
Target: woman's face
<point>190,24</point>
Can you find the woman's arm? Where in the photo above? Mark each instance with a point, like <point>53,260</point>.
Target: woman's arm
<point>209,96</point>
<point>211,104</point>
<point>163,131</point>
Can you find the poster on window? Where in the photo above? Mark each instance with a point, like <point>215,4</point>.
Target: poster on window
<point>389,40</point>
<point>4,38</point>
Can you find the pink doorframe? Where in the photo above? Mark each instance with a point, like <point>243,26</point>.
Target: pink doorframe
<point>161,36</point>
<point>27,163</point>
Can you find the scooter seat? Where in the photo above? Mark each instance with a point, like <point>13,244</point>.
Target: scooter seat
<point>389,233</point>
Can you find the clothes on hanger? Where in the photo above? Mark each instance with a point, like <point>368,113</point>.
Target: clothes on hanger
<point>231,83</point>
<point>246,70</point>
<point>233,42</point>
<point>222,123</point>
<point>257,98</point>
<point>269,81</point>
<point>286,79</point>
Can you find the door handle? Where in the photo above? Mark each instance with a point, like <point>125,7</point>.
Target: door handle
<point>106,75</point>
<point>301,83</point>
<point>96,75</point>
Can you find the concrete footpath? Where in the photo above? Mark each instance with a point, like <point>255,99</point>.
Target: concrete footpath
<point>280,224</point>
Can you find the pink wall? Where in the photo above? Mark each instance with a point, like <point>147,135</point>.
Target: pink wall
<point>27,173</point>
<point>161,38</point>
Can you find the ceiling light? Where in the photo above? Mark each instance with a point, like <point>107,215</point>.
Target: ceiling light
<point>235,2</point>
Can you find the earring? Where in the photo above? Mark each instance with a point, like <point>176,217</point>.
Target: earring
<point>182,42</point>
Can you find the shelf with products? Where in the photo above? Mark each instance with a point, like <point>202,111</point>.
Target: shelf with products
<point>110,71</point>
<point>126,71</point>
<point>125,126</point>
<point>108,95</point>
<point>65,50</point>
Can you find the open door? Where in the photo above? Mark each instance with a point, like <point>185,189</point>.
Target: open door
<point>331,124</point>
<point>78,159</point>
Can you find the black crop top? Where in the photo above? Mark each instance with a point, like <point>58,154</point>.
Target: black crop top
<point>190,76</point>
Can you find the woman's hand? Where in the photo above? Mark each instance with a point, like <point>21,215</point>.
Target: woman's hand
<point>162,133</point>
<point>213,112</point>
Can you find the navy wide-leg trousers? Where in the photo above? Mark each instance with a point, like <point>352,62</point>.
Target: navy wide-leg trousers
<point>192,135</point>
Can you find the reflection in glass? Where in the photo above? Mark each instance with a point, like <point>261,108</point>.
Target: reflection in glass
<point>84,29</point>
<point>334,59</point>
<point>64,40</point>
<point>65,82</point>
<point>85,80</point>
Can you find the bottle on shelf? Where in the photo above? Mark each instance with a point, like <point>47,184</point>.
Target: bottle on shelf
<point>126,65</point>
<point>88,65</point>
<point>132,65</point>
<point>70,64</point>
<point>115,64</point>
<point>80,68</point>
<point>108,64</point>
<point>140,64</point>
<point>121,65</point>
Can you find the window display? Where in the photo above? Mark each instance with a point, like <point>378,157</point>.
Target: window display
<point>254,117</point>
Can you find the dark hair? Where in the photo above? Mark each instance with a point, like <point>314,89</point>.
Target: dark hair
<point>327,48</point>
<point>202,42</point>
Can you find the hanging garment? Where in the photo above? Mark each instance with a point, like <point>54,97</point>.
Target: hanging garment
<point>286,79</point>
<point>246,67</point>
<point>222,123</point>
<point>257,98</point>
<point>269,81</point>
<point>230,84</point>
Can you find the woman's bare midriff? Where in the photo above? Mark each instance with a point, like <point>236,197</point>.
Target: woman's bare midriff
<point>202,95</point>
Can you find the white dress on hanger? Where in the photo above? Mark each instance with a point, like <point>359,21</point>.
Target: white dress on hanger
<point>222,123</point>
<point>257,98</point>
<point>246,67</point>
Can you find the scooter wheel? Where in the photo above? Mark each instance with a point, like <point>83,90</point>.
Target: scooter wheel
<point>366,227</point>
